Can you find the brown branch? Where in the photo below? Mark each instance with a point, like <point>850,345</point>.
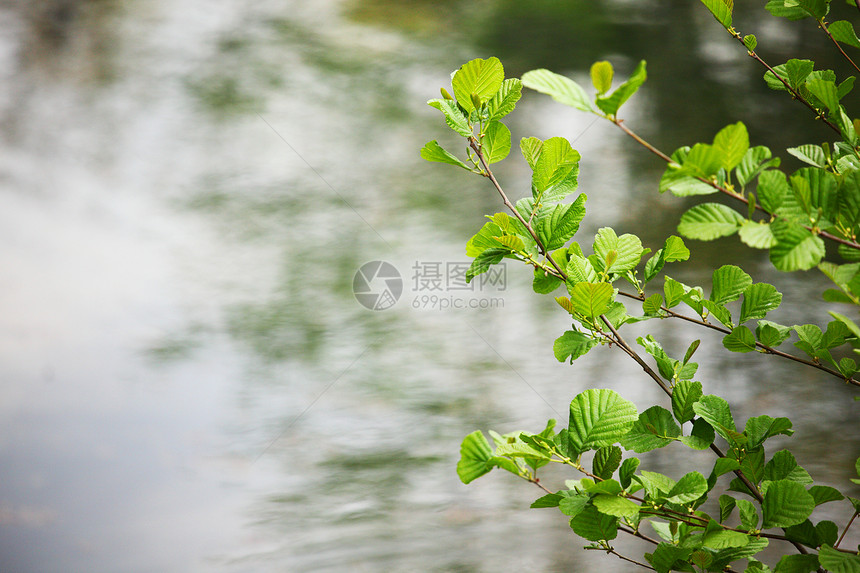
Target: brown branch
<point>475,145</point>
<point>765,349</point>
<point>632,354</point>
<point>823,26</point>
<point>639,535</point>
<point>732,194</point>
<point>794,93</point>
<point>613,552</point>
<point>853,517</point>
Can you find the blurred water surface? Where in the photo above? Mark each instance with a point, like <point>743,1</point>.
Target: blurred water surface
<point>188,383</point>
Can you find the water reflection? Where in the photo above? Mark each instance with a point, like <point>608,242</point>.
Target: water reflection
<point>189,381</point>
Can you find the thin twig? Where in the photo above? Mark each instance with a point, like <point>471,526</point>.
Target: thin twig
<point>632,354</point>
<point>794,93</point>
<point>853,517</point>
<point>764,348</point>
<point>639,535</point>
<point>473,143</point>
<point>823,26</point>
<point>732,194</point>
<point>613,552</point>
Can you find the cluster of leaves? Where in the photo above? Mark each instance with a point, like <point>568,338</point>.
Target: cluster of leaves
<point>776,493</point>
<point>792,215</point>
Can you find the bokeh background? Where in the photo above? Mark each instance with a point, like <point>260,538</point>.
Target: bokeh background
<point>187,189</point>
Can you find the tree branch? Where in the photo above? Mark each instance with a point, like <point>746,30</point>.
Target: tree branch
<point>732,194</point>
<point>475,145</point>
<point>823,26</point>
<point>764,349</point>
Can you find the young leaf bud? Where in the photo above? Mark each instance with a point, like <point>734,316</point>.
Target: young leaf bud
<point>476,101</point>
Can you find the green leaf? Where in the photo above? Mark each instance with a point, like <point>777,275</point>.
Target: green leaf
<point>725,465</point>
<point>475,452</point>
<point>794,72</point>
<point>484,261</point>
<point>824,90</point>
<point>750,42</point>
<point>703,161</point>
<point>815,8</point>
<point>656,485</point>
<point>557,226</point>
<point>772,189</point>
<point>837,561</point>
<point>728,283</point>
<point>666,555</point>
<point>689,488</point>
<point>722,11</point>
<point>572,345</point>
<point>716,412</point>
<point>786,503</point>
<point>760,428</point>
<point>599,418</point>
<point>709,221</point>
<point>505,99</point>
<point>725,556</point>
<point>673,250</point>
<point>673,291</point>
<point>796,248</point>
<point>549,500</point>
<point>433,152</point>
<point>701,436</point>
<point>843,31</point>
<point>625,473</point>
<point>557,162</point>
<point>783,466</point>
<point>759,299</point>
<point>722,539</point>
<point>755,160</point>
<point>757,567</point>
<point>628,249</point>
<point>594,526</point>
<point>617,506</point>
<point>654,429</point>
<point>601,76</point>
<point>579,269</point>
<point>811,154</point>
<point>727,506</point>
<point>827,532</point>
<point>740,339</point>
<point>756,234</point>
<point>574,504</point>
<point>519,449</point>
<point>591,299</point>
<point>652,304</point>
<point>685,394</point>
<point>748,514</point>
<point>824,494</point>
<point>732,143</point>
<point>611,103</point>
<point>720,312</point>
<point>531,148</point>
<point>606,461</point>
<point>481,77</point>
<point>797,564</point>
<point>545,283</point>
<point>561,89</point>
<point>497,142</point>
<point>791,11</point>
<point>453,116</point>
